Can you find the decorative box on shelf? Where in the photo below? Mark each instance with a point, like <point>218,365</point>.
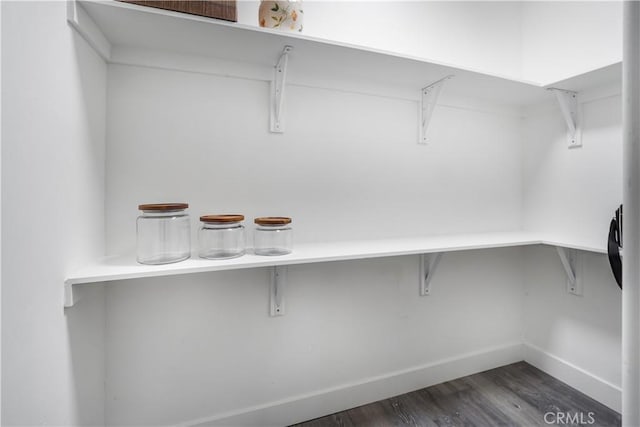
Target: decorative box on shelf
<point>220,9</point>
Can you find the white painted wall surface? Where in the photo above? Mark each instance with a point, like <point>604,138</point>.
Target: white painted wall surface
<point>583,332</point>
<point>574,192</point>
<point>346,164</point>
<point>484,36</point>
<point>198,346</point>
<point>564,38</point>
<point>53,109</point>
<point>184,348</point>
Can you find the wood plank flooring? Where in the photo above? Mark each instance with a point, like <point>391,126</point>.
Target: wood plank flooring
<point>513,395</point>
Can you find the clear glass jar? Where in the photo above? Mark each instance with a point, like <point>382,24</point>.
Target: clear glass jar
<point>164,233</point>
<point>221,236</point>
<point>273,235</point>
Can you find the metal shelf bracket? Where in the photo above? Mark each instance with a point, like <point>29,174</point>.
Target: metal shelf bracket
<point>428,265</point>
<point>277,290</point>
<point>428,99</point>
<point>276,119</point>
<point>570,108</point>
<point>572,263</point>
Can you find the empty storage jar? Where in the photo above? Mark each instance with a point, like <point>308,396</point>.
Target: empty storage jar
<point>273,235</point>
<point>221,236</point>
<point>163,233</point>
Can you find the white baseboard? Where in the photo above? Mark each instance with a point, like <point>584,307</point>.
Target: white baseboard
<point>593,386</point>
<point>323,402</point>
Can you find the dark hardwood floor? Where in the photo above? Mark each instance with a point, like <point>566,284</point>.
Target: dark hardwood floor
<point>513,395</point>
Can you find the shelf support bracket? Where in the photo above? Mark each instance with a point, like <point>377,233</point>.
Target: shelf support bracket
<point>428,265</point>
<point>69,297</point>
<point>572,263</point>
<point>276,119</point>
<point>570,108</point>
<point>277,290</point>
<point>428,100</point>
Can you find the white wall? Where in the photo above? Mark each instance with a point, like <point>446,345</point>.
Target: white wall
<point>53,107</point>
<point>348,167</point>
<point>574,192</point>
<point>564,38</point>
<point>198,346</point>
<point>485,36</point>
<point>345,165</point>
<point>575,338</point>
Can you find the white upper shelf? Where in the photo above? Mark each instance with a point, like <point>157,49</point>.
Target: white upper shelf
<point>122,268</point>
<point>114,27</point>
<point>605,76</point>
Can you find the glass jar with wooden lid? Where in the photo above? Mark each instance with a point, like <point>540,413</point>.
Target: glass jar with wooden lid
<point>163,233</point>
<point>221,236</point>
<point>273,235</point>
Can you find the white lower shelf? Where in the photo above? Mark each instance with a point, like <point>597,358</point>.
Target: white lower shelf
<point>121,268</point>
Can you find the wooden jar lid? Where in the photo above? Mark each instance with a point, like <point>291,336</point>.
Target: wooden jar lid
<point>221,219</point>
<point>162,207</point>
<point>272,220</point>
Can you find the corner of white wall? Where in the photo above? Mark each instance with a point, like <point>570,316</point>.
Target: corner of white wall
<point>566,38</point>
